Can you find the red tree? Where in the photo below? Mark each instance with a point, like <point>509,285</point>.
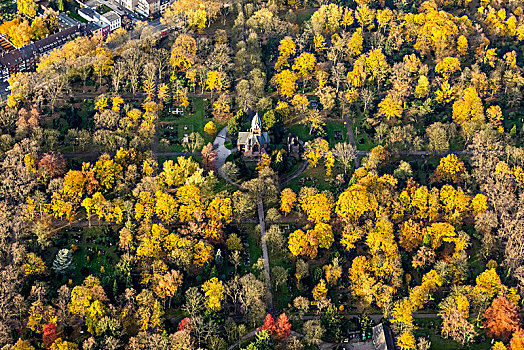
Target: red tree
<point>185,324</point>
<point>49,336</point>
<point>53,165</point>
<point>502,318</point>
<point>282,327</point>
<point>269,324</point>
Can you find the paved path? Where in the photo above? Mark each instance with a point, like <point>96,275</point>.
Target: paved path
<point>300,170</point>
<point>223,153</point>
<point>265,255</point>
<point>351,138</point>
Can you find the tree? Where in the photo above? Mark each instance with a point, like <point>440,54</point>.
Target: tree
<point>288,199</point>
<point>286,81</point>
<point>49,335</point>
<point>210,128</point>
<point>390,108</point>
<point>313,331</point>
<point>27,7</point>
<point>60,344</point>
<point>501,318</point>
<point>63,261</point>
<point>517,340</point>
<point>193,142</point>
<point>345,153</point>
<point>214,294</point>
<point>303,243</point>
<point>183,53</point>
<point>451,168</point>
<point>208,156</point>
<point>320,291</point>
<point>406,341</point>
<point>447,66</point>
<point>279,275</point>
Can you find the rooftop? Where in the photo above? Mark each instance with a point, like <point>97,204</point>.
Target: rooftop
<point>112,16</point>
<point>41,47</point>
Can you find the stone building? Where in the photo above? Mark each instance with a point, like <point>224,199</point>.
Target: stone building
<point>253,143</point>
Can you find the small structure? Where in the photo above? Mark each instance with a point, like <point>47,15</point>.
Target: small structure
<point>382,339</point>
<point>253,143</point>
<point>293,145</point>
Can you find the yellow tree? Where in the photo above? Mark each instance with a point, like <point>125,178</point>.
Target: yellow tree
<point>303,243</point>
<point>203,253</point>
<point>462,45</point>
<point>288,198</point>
<point>320,290</point>
<point>214,294</point>
<point>287,48</point>
<point>406,341</point>
<point>447,66</point>
<point>451,168</point>
<point>165,206</point>
<point>183,53</point>
<point>324,235</point>
<point>318,207</point>
<point>495,117</point>
<point>215,81</point>
<point>149,89</point>
<point>305,65</point>
<point>286,81</point>
<point>190,201</point>
<point>210,128</point>
<point>410,235</point>
<point>390,108</point>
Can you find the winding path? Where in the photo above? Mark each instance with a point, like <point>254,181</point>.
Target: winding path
<point>223,153</point>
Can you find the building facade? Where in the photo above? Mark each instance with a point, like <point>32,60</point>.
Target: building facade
<point>253,143</point>
<point>110,19</point>
<point>26,58</point>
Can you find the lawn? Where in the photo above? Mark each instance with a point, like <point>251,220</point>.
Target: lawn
<point>92,248</point>
<point>253,240</point>
<point>429,328</point>
<point>302,131</point>
<point>362,139</point>
<point>103,9</point>
<point>284,291</point>
<point>187,124</point>
<point>317,178</point>
<point>332,127</point>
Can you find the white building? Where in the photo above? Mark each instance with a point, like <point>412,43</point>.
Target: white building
<point>128,4</point>
<point>149,8</point>
<point>113,19</point>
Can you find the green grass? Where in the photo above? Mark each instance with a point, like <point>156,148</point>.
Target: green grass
<point>366,144</point>
<point>76,16</point>
<point>228,145</point>
<point>430,328</point>
<point>302,131</point>
<point>331,127</point>
<point>103,9</point>
<point>318,176</point>
<point>284,296</point>
<point>253,240</point>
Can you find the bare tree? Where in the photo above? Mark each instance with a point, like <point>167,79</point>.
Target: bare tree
<point>345,153</point>
<point>118,74</point>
